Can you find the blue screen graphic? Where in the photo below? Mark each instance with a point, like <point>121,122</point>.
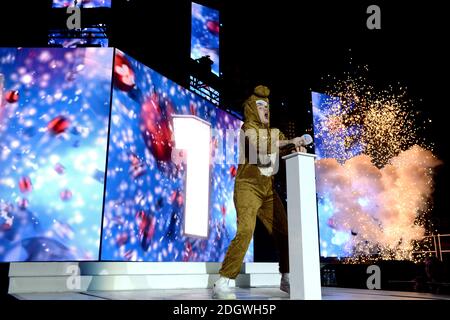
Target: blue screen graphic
<point>82,3</point>
<point>54,114</point>
<point>54,121</point>
<point>145,193</point>
<point>331,141</point>
<point>205,32</point>
<point>87,37</point>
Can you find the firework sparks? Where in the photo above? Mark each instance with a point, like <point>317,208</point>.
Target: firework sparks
<point>379,123</point>
<point>375,171</point>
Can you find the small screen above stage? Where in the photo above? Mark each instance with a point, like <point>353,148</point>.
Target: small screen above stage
<point>205,31</point>
<point>82,3</point>
<point>86,37</point>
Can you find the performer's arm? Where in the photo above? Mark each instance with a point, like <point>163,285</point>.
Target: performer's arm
<point>297,144</point>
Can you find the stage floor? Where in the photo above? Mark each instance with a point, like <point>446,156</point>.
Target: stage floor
<point>267,293</point>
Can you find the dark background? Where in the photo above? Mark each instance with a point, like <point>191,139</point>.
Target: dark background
<point>286,45</point>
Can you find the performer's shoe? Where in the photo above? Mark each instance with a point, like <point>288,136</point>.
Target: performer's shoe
<point>284,283</point>
<point>222,289</point>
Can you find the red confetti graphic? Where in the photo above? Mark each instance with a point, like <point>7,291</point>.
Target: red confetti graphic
<point>6,226</point>
<point>213,26</point>
<point>58,125</point>
<point>137,167</point>
<point>180,199</point>
<point>193,109</point>
<point>25,185</point>
<point>22,203</point>
<point>124,77</point>
<point>177,197</point>
<point>215,143</point>
<point>146,225</point>
<point>122,239</point>
<point>65,195</point>
<point>331,223</point>
<point>233,171</point>
<point>130,255</point>
<point>156,131</point>
<point>59,168</point>
<point>188,253</point>
<point>12,96</point>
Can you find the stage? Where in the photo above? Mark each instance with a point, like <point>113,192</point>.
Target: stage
<point>261,293</point>
<point>122,165</point>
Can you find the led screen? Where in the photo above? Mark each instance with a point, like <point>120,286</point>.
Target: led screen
<point>205,34</point>
<point>54,114</point>
<point>146,214</point>
<point>54,124</point>
<point>87,37</point>
<point>82,3</point>
<point>331,144</point>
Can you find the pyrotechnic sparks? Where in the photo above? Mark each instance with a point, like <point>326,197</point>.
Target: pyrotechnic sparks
<point>378,123</point>
<point>375,172</point>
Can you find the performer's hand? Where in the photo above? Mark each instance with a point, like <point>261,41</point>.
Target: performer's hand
<point>297,141</point>
<point>299,149</point>
<point>302,141</point>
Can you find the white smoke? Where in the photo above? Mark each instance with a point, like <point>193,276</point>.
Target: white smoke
<point>379,206</point>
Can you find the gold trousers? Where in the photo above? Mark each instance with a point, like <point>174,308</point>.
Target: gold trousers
<point>251,201</point>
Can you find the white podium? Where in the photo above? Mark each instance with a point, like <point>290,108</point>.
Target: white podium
<point>304,256</point>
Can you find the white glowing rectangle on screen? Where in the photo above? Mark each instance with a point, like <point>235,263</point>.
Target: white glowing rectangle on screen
<point>193,136</point>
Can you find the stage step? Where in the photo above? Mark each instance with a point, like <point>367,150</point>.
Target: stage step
<point>110,276</point>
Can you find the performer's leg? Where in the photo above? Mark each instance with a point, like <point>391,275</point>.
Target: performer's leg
<point>247,200</point>
<point>273,216</point>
